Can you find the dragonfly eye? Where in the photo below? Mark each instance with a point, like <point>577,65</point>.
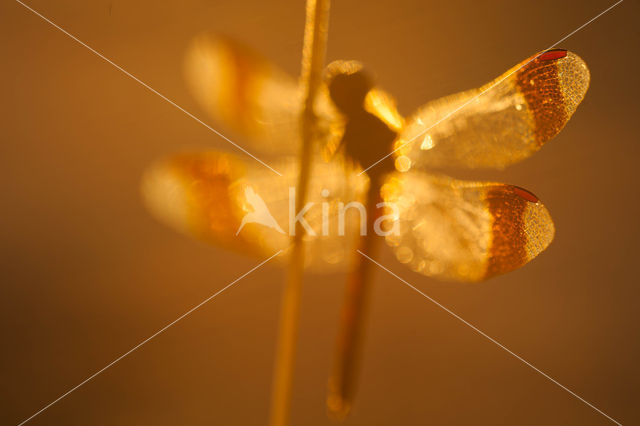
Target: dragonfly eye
<point>349,90</point>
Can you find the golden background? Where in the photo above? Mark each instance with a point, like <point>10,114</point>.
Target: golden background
<point>87,273</point>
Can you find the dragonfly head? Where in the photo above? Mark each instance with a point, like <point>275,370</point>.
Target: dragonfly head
<point>348,86</point>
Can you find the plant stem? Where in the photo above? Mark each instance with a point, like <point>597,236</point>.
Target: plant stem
<point>314,47</point>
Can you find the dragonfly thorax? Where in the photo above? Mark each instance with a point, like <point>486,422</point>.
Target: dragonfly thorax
<point>366,138</point>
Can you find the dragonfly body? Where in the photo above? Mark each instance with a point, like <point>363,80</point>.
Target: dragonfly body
<point>366,139</point>
<point>448,229</point>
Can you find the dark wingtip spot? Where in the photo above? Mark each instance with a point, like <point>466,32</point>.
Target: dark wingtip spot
<point>552,54</point>
<point>539,83</point>
<point>525,195</point>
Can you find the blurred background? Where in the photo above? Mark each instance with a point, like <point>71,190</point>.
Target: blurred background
<point>87,273</point>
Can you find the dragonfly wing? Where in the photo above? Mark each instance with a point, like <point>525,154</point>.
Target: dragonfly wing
<point>383,105</point>
<point>239,205</point>
<point>465,231</point>
<point>249,94</point>
<point>501,122</point>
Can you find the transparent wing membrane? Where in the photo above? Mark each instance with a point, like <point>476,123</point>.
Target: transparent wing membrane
<point>501,122</point>
<point>250,95</point>
<point>465,231</point>
<point>229,202</point>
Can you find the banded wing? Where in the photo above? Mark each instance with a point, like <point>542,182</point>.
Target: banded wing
<point>501,122</point>
<point>465,231</point>
<point>249,94</point>
<point>242,206</point>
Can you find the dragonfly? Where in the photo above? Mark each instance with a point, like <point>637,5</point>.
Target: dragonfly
<point>366,153</point>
